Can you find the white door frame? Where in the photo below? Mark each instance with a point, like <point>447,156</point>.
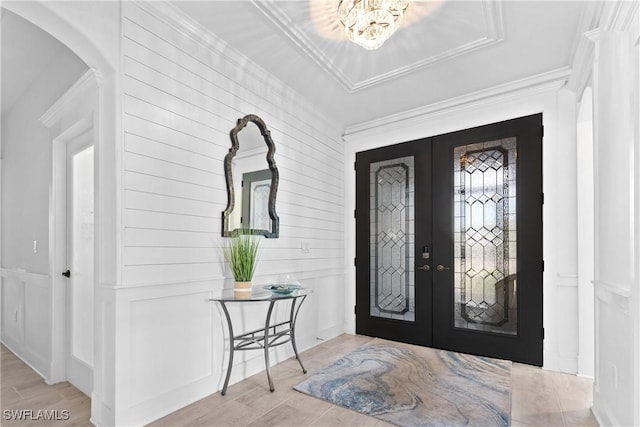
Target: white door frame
<point>58,246</point>
<point>75,113</point>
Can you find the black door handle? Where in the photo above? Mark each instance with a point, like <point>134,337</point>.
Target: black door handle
<point>67,273</point>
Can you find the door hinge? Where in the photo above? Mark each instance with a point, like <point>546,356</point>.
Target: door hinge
<point>355,309</point>
<point>542,265</point>
<point>355,165</point>
<point>542,333</point>
<point>542,198</point>
<point>542,132</point>
<point>355,263</point>
<point>355,213</point>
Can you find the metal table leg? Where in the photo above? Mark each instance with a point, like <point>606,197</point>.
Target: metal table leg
<point>292,321</point>
<point>231,348</point>
<point>266,345</point>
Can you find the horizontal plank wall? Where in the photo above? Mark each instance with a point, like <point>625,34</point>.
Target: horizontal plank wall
<point>183,91</point>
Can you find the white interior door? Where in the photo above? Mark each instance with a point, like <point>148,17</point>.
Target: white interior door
<point>80,238</point>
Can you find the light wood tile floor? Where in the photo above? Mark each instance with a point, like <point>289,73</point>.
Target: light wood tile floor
<point>539,398</point>
<point>23,389</point>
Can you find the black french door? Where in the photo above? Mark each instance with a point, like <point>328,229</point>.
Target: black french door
<point>449,241</point>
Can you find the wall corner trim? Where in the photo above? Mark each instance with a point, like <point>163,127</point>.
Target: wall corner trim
<point>90,78</point>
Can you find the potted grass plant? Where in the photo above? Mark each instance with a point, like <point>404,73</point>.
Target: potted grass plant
<point>241,253</point>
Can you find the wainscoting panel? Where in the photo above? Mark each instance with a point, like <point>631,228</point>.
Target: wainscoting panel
<point>613,302</point>
<point>26,317</point>
<point>169,331</point>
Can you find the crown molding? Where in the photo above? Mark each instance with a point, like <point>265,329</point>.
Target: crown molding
<point>494,25</point>
<point>548,81</point>
<point>91,78</point>
<point>583,61</point>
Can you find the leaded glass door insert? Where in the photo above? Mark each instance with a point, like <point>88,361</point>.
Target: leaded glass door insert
<point>484,235</point>
<point>392,239</point>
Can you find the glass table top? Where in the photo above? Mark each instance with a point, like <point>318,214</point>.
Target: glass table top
<point>258,293</point>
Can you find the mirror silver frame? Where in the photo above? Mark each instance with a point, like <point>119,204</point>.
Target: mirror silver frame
<point>235,146</point>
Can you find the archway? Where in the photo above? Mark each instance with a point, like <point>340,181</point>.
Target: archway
<point>91,31</point>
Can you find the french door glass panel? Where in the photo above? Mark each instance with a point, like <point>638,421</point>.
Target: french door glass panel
<point>484,235</point>
<point>392,239</point>
<point>82,267</point>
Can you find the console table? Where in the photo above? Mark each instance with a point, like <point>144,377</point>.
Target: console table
<point>267,337</point>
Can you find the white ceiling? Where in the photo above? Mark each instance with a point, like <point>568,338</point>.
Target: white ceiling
<point>459,47</point>
<point>26,51</point>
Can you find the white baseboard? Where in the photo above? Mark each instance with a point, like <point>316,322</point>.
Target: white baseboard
<point>165,404</point>
<point>568,365</point>
<point>331,332</point>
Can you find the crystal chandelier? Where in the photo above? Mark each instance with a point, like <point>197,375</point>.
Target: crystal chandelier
<point>370,23</point>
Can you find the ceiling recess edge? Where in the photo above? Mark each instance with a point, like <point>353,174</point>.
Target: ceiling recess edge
<point>494,28</point>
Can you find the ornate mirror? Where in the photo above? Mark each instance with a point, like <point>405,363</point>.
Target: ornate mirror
<point>252,182</point>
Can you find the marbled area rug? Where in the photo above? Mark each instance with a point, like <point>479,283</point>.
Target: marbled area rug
<point>409,385</point>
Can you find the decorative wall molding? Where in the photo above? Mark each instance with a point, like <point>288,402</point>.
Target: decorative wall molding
<point>494,26</point>
<point>567,280</point>
<point>89,79</point>
<point>548,81</point>
<point>300,275</point>
<point>20,274</point>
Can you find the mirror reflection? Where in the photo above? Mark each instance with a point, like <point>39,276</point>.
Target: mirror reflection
<point>252,180</point>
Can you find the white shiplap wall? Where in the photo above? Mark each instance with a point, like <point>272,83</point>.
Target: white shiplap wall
<point>179,107</point>
<point>183,91</point>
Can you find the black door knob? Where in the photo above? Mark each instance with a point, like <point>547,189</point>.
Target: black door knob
<point>67,273</point>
